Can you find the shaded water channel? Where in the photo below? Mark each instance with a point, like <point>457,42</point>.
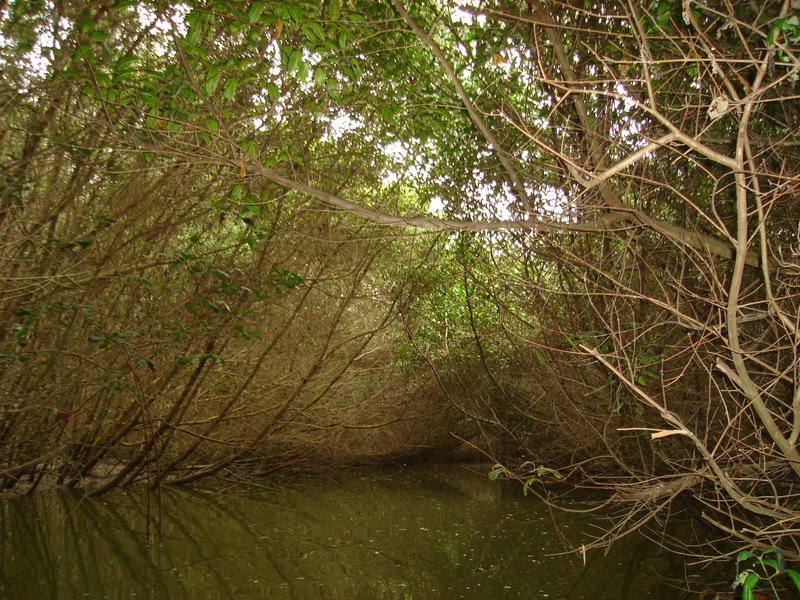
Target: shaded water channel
<point>421,533</point>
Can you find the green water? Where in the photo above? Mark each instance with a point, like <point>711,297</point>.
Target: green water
<point>422,533</point>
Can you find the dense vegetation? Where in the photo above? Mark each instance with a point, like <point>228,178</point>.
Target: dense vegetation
<point>246,236</point>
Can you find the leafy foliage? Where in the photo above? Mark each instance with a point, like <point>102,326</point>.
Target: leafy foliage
<point>753,567</point>
<point>236,232</point>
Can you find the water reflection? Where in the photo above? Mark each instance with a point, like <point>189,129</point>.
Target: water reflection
<point>414,534</point>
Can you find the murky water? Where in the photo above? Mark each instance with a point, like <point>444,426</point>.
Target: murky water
<point>422,533</point>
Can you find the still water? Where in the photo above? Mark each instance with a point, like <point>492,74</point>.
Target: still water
<point>412,534</point>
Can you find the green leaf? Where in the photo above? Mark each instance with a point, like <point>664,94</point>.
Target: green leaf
<point>126,63</point>
<point>195,19</point>
<point>749,580</point>
<point>250,148</point>
<point>771,35</point>
<point>497,471</point>
<point>334,10</point>
<point>540,356</point>
<point>211,83</point>
<point>319,76</point>
<point>303,71</point>
<point>295,12</point>
<point>256,9</point>
<point>294,60</point>
<point>314,32</point>
<point>103,79</point>
<point>286,278</point>
<point>85,242</point>
<point>273,91</point>
<point>332,88</point>
<point>772,562</point>
<point>795,577</point>
<point>744,555</point>
<point>236,192</point>
<point>663,12</point>
<point>234,27</point>
<point>355,66</point>
<point>86,52</point>
<point>212,125</point>
<point>148,99</point>
<point>229,89</point>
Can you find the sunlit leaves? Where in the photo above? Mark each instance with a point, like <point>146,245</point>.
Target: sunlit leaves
<point>295,59</point>
<point>303,71</point>
<point>255,11</point>
<point>229,89</point>
<point>198,22</point>
<point>786,31</point>
<point>293,11</point>
<point>314,32</point>
<point>212,79</point>
<point>332,87</point>
<point>498,471</point>
<point>236,193</point>
<point>334,10</point>
<point>273,90</point>
<point>250,148</point>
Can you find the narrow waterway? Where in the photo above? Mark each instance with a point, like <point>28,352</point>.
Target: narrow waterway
<point>421,533</point>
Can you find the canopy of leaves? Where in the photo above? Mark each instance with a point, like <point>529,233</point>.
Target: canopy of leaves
<point>274,234</point>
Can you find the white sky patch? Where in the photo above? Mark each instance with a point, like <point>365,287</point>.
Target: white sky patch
<point>554,203</point>
<point>340,125</point>
<point>396,150</point>
<point>497,208</point>
<point>437,206</point>
<point>264,98</point>
<point>38,60</point>
<point>278,73</point>
<point>403,167</point>
<point>148,18</point>
<point>40,57</point>
<point>627,130</point>
<point>460,15</point>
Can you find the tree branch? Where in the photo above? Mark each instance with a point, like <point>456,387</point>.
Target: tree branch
<point>516,182</point>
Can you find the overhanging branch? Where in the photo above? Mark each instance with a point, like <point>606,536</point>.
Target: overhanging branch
<point>616,220</point>
<point>612,221</point>
<point>604,223</point>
